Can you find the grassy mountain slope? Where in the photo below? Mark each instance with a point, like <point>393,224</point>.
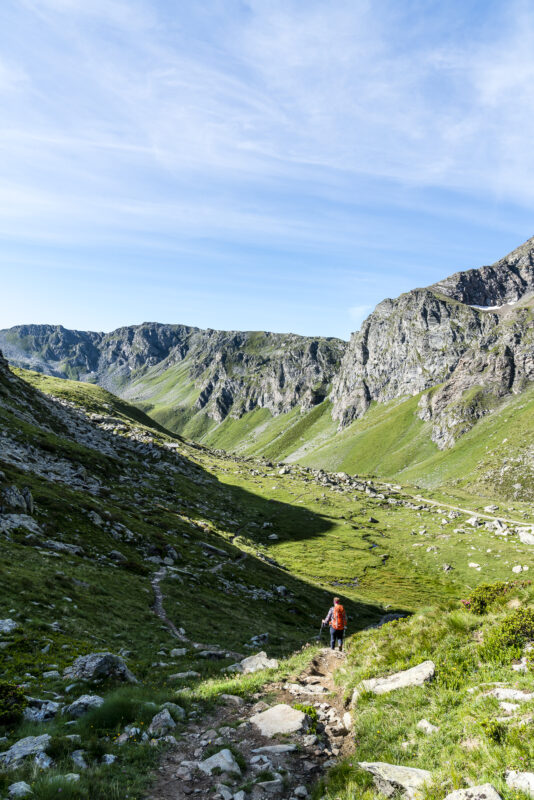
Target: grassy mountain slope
<point>115,494</point>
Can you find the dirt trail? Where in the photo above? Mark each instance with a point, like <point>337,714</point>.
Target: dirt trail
<point>302,760</point>
<point>158,607</point>
<point>521,523</point>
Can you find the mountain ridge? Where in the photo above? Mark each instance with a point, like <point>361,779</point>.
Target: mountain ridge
<point>466,338</point>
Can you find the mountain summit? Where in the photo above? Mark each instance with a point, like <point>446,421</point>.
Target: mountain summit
<point>465,343</point>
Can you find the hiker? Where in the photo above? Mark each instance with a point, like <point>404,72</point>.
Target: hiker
<point>337,619</point>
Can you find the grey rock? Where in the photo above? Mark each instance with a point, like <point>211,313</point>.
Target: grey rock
<point>43,761</point>
<point>39,710</point>
<point>97,666</point>
<point>390,779</point>
<point>484,792</point>
<point>280,719</point>
<point>29,746</point>
<point>178,652</point>
<point>522,781</point>
<point>8,625</point>
<point>176,711</point>
<point>83,704</point>
<point>253,664</point>
<point>427,727</point>
<point>223,760</point>
<point>108,758</point>
<point>71,777</point>
<point>78,759</point>
<point>415,676</point>
<point>276,749</point>
<point>161,723</point>
<point>19,789</point>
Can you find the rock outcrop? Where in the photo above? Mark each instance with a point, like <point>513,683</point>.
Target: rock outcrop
<point>226,372</point>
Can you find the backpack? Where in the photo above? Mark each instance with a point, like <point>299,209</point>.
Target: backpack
<point>338,617</point>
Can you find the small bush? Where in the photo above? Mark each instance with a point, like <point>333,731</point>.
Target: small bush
<point>117,711</point>
<point>12,703</point>
<point>494,730</point>
<point>505,642</point>
<point>484,595</point>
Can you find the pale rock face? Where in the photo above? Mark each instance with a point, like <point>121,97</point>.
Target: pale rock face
<point>8,625</point>
<point>523,781</point>
<point>224,760</point>
<point>19,789</point>
<point>161,723</point>
<point>415,676</point>
<point>83,704</point>
<point>427,727</point>
<point>280,719</point>
<point>253,664</point>
<point>484,792</point>
<point>29,746</point>
<point>233,371</point>
<point>390,779</point>
<point>97,666</point>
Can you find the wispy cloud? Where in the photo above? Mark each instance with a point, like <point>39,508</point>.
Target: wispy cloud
<point>297,126</point>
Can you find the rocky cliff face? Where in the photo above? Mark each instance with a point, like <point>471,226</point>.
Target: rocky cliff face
<point>232,372</point>
<point>498,364</point>
<point>471,332</point>
<point>405,346</point>
<point>468,337</point>
<point>506,281</point>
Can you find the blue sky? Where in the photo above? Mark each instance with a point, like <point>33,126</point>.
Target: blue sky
<point>256,164</point>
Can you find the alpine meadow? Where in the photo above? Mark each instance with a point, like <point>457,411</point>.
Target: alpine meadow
<point>248,564</point>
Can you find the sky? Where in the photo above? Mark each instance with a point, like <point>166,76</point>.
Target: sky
<point>256,164</point>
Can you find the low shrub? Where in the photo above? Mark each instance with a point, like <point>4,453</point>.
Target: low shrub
<point>12,703</point>
<point>506,641</point>
<point>494,730</point>
<point>485,595</point>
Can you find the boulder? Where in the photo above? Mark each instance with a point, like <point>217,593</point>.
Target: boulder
<point>77,757</point>
<point>97,666</point>
<point>29,746</point>
<point>390,778</point>
<point>232,699</point>
<point>39,710</point>
<point>526,535</point>
<point>416,676</point>
<point>427,727</point>
<point>223,761</point>
<point>276,749</point>
<point>178,652</point>
<point>83,704</point>
<point>19,789</point>
<point>13,501</point>
<point>253,664</point>
<point>280,719</point>
<point>161,723</point>
<point>484,792</point>
<point>8,625</point>
<point>522,781</point>
<point>183,676</point>
<point>177,712</point>
<point>507,694</point>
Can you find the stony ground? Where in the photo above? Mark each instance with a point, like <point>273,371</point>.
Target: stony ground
<point>281,765</point>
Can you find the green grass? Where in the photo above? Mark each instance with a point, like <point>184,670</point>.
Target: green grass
<point>468,750</point>
<point>326,544</point>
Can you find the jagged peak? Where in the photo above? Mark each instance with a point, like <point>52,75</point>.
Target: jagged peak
<point>506,281</point>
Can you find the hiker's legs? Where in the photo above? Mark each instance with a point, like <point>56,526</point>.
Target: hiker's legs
<point>340,638</point>
<point>333,638</point>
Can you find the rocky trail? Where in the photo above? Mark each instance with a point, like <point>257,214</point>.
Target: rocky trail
<point>264,747</point>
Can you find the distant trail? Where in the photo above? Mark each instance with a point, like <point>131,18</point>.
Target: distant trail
<point>158,607</point>
<point>522,523</point>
